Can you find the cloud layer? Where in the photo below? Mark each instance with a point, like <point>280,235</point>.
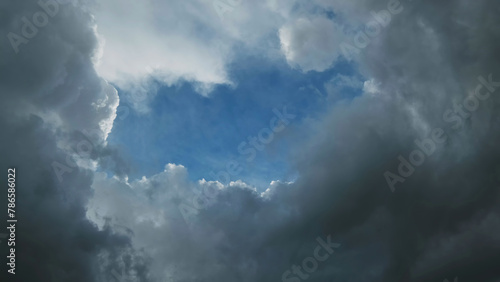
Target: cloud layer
<point>441,221</point>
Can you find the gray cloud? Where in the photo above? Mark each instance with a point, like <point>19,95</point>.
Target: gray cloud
<point>50,89</point>
<point>442,222</point>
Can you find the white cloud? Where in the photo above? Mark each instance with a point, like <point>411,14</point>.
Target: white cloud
<point>271,190</point>
<point>148,41</point>
<point>371,87</point>
<point>311,44</point>
<point>188,41</point>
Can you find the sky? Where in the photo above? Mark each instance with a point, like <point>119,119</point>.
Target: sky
<point>236,140</point>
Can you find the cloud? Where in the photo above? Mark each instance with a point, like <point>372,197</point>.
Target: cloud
<point>159,46</point>
<point>92,226</point>
<point>409,235</point>
<point>180,233</point>
<point>420,69</point>
<point>173,42</point>
<point>49,91</point>
<point>311,44</point>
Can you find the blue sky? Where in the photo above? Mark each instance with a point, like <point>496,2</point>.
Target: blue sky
<point>203,133</point>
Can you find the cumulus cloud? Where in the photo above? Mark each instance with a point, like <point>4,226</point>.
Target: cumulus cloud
<point>451,188</point>
<point>49,91</point>
<point>154,45</point>
<point>183,225</point>
<point>440,222</point>
<point>171,42</point>
<point>408,235</point>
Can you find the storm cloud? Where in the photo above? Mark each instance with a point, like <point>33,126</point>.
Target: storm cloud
<point>432,68</point>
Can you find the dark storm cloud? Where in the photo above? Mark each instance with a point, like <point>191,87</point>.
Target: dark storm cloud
<point>48,89</point>
<point>53,236</point>
<point>442,222</point>
<point>442,219</point>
